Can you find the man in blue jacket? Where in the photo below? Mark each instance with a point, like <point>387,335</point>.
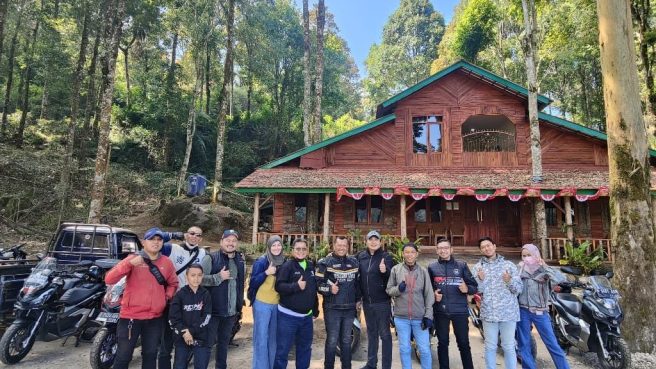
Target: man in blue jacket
<point>452,282</point>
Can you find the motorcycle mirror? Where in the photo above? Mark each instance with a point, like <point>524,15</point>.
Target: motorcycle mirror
<point>610,275</point>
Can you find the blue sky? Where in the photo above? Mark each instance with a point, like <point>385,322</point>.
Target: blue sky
<point>361,22</point>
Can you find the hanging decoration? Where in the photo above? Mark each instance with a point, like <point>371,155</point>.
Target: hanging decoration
<point>449,196</point>
<point>483,196</point>
<point>418,196</point>
<point>434,191</point>
<point>532,192</point>
<point>515,197</point>
<point>548,196</point>
<point>387,195</point>
<point>372,191</point>
<point>567,191</point>
<point>402,190</point>
<point>466,191</point>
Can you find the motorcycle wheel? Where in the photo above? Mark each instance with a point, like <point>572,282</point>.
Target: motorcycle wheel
<point>103,349</point>
<point>355,341</point>
<point>16,343</point>
<point>619,354</point>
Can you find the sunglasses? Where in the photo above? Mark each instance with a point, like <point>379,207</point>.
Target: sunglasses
<point>195,234</point>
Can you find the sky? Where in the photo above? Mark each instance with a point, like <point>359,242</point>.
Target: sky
<point>361,22</point>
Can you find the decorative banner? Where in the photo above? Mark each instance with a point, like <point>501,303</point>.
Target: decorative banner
<point>500,192</point>
<point>602,191</point>
<point>548,197</point>
<point>568,191</point>
<point>372,190</point>
<point>402,190</point>
<point>515,197</point>
<point>387,195</point>
<point>434,191</point>
<point>419,196</point>
<point>466,191</point>
<point>483,196</point>
<point>449,196</point>
<point>582,198</point>
<point>357,196</point>
<point>342,191</point>
<point>532,192</point>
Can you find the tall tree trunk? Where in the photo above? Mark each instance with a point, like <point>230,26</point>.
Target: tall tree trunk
<point>530,54</point>
<point>10,77</point>
<point>170,83</point>
<point>191,121</point>
<point>78,76</point>
<point>641,10</point>
<point>109,64</point>
<point>632,229</point>
<point>43,112</point>
<point>217,193</point>
<point>90,104</point>
<point>3,16</point>
<point>29,50</point>
<point>318,86</point>
<point>208,76</point>
<point>126,51</point>
<point>307,76</point>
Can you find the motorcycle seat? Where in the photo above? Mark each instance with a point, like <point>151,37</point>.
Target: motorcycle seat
<point>70,283</point>
<point>570,302</point>
<point>78,294</point>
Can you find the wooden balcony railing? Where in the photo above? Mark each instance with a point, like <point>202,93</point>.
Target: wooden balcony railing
<point>556,247</point>
<point>316,239</point>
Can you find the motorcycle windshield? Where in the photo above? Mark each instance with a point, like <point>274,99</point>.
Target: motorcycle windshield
<point>114,292</point>
<point>602,285</point>
<point>39,276</point>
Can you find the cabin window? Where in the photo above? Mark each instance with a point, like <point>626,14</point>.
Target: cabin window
<point>488,133</point>
<point>420,211</point>
<point>300,208</point>
<point>369,210</point>
<point>435,209</point>
<point>428,210</point>
<point>427,134</point>
<point>552,214</point>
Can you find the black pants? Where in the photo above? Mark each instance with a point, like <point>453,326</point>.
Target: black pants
<point>222,327</point>
<point>165,344</point>
<point>339,324</point>
<point>461,330</point>
<point>378,317</point>
<point>127,333</point>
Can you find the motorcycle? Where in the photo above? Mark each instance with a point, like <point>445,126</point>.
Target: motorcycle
<point>54,303</point>
<point>475,317</point>
<point>105,343</point>
<point>591,322</point>
<point>14,253</point>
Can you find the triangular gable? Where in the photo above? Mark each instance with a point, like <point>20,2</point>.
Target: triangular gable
<point>494,79</point>
<point>332,140</point>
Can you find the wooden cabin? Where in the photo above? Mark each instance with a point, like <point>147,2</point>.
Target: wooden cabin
<point>450,157</point>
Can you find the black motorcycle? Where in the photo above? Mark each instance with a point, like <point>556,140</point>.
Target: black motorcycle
<point>15,252</point>
<point>591,320</point>
<point>55,302</point>
<point>105,344</point>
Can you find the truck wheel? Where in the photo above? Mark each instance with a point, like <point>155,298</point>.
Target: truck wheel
<point>103,349</point>
<point>17,342</point>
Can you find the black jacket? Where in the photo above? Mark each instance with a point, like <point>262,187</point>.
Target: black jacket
<point>343,271</point>
<point>292,296</point>
<point>220,293</point>
<point>191,311</point>
<point>372,282</point>
<point>447,276</point>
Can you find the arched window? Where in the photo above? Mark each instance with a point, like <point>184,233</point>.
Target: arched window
<point>488,133</point>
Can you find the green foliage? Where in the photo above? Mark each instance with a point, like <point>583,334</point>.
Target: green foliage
<point>581,257</point>
<point>395,246</point>
<point>476,28</point>
<point>333,127</point>
<point>358,240</point>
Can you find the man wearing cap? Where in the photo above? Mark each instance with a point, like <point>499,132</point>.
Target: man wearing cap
<point>375,265</point>
<point>410,287</point>
<point>226,285</point>
<point>150,283</point>
<point>182,256</point>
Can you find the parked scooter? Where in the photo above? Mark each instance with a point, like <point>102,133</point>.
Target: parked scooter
<point>105,343</point>
<point>591,322</point>
<point>13,253</point>
<point>54,303</point>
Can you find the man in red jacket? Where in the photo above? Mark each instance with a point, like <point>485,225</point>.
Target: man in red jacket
<point>151,282</point>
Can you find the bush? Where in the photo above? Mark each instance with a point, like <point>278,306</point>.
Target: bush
<point>580,256</point>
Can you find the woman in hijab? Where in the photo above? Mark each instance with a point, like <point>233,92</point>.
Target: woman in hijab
<point>537,278</point>
<point>264,300</point>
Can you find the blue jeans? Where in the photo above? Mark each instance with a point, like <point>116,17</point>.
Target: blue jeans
<point>339,324</point>
<point>543,325</point>
<point>507,332</point>
<point>405,328</point>
<point>265,317</point>
<point>300,331</point>
<point>182,353</point>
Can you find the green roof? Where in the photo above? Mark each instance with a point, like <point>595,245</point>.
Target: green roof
<point>332,140</point>
<point>579,128</point>
<point>542,100</point>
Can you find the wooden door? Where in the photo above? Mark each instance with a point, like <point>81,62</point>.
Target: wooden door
<point>509,223</point>
<point>481,220</point>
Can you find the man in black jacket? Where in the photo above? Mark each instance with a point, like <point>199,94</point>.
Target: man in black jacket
<point>226,285</point>
<point>374,266</point>
<point>296,284</point>
<point>338,282</point>
<point>452,282</point>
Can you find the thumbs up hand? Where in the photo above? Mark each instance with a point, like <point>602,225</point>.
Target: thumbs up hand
<point>302,283</point>
<point>506,276</point>
<point>224,273</point>
<point>334,288</point>
<point>438,295</point>
<point>271,270</point>
<point>382,266</point>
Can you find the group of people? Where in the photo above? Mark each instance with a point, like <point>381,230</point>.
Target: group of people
<point>191,300</point>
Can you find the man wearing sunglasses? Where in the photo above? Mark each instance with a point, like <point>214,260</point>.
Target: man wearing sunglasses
<point>183,255</point>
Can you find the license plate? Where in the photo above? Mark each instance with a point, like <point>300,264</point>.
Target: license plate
<point>107,317</point>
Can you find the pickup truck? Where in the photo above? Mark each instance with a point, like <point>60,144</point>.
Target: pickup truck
<point>73,243</point>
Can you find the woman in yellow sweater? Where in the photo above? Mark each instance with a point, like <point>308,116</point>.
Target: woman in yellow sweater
<point>264,300</point>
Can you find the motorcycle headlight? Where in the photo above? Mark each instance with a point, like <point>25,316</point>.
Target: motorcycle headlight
<point>596,312</point>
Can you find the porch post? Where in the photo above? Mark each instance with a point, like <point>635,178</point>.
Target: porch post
<point>653,210</point>
<point>404,223</point>
<point>326,217</point>
<point>568,219</point>
<point>256,216</point>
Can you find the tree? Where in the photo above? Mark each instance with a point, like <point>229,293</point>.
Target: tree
<point>10,72</point>
<point>223,102</point>
<point>27,78</point>
<point>476,29</point>
<point>632,227</point>
<point>307,78</point>
<point>113,29</point>
<point>318,85</point>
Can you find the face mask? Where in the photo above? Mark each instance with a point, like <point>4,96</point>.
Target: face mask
<point>530,260</point>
